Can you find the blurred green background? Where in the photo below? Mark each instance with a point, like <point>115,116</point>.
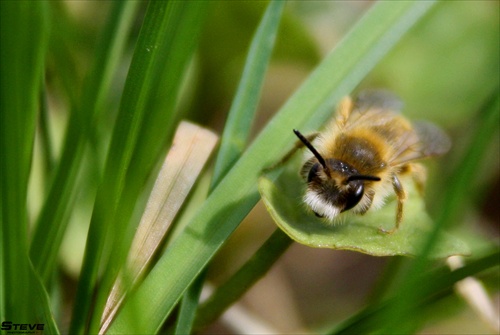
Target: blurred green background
<point>444,70</point>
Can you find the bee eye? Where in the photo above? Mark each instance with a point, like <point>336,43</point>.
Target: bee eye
<point>313,172</point>
<point>354,196</point>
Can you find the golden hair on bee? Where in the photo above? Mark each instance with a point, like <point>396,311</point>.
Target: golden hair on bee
<point>355,163</point>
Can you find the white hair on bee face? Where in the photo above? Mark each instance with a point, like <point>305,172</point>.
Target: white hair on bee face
<point>320,206</point>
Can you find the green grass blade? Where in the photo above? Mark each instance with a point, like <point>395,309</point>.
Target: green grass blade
<point>43,304</point>
<point>237,128</point>
<point>23,32</point>
<point>376,33</point>
<point>242,112</point>
<point>456,199</point>
<point>369,320</point>
<point>45,140</point>
<point>189,306</point>
<point>145,123</point>
<point>244,278</point>
<point>183,34</point>
<point>62,41</point>
<point>52,221</point>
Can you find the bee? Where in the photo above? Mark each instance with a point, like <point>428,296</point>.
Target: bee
<point>356,162</point>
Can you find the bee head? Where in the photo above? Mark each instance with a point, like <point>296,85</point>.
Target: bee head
<point>333,186</point>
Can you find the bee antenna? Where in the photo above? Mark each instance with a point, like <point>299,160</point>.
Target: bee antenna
<point>362,177</point>
<point>310,147</point>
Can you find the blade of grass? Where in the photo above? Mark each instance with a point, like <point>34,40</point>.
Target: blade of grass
<point>145,123</point>
<point>45,138</point>
<point>243,279</point>
<point>376,33</point>
<point>52,221</point>
<point>475,295</point>
<point>244,106</point>
<point>370,319</point>
<point>189,306</point>
<point>23,32</point>
<point>43,304</point>
<point>192,146</point>
<point>67,76</point>
<point>456,195</point>
<point>237,129</point>
<point>178,51</point>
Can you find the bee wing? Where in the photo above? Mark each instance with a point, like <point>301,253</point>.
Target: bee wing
<point>372,108</point>
<point>379,111</point>
<point>426,140</point>
<point>379,99</point>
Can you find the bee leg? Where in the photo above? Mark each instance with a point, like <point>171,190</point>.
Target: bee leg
<point>419,175</point>
<point>401,197</point>
<point>298,145</point>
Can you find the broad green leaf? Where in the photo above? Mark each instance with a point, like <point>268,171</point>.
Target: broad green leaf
<point>354,232</point>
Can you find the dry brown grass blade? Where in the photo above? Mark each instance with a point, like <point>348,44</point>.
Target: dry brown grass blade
<point>191,148</point>
<point>476,296</point>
